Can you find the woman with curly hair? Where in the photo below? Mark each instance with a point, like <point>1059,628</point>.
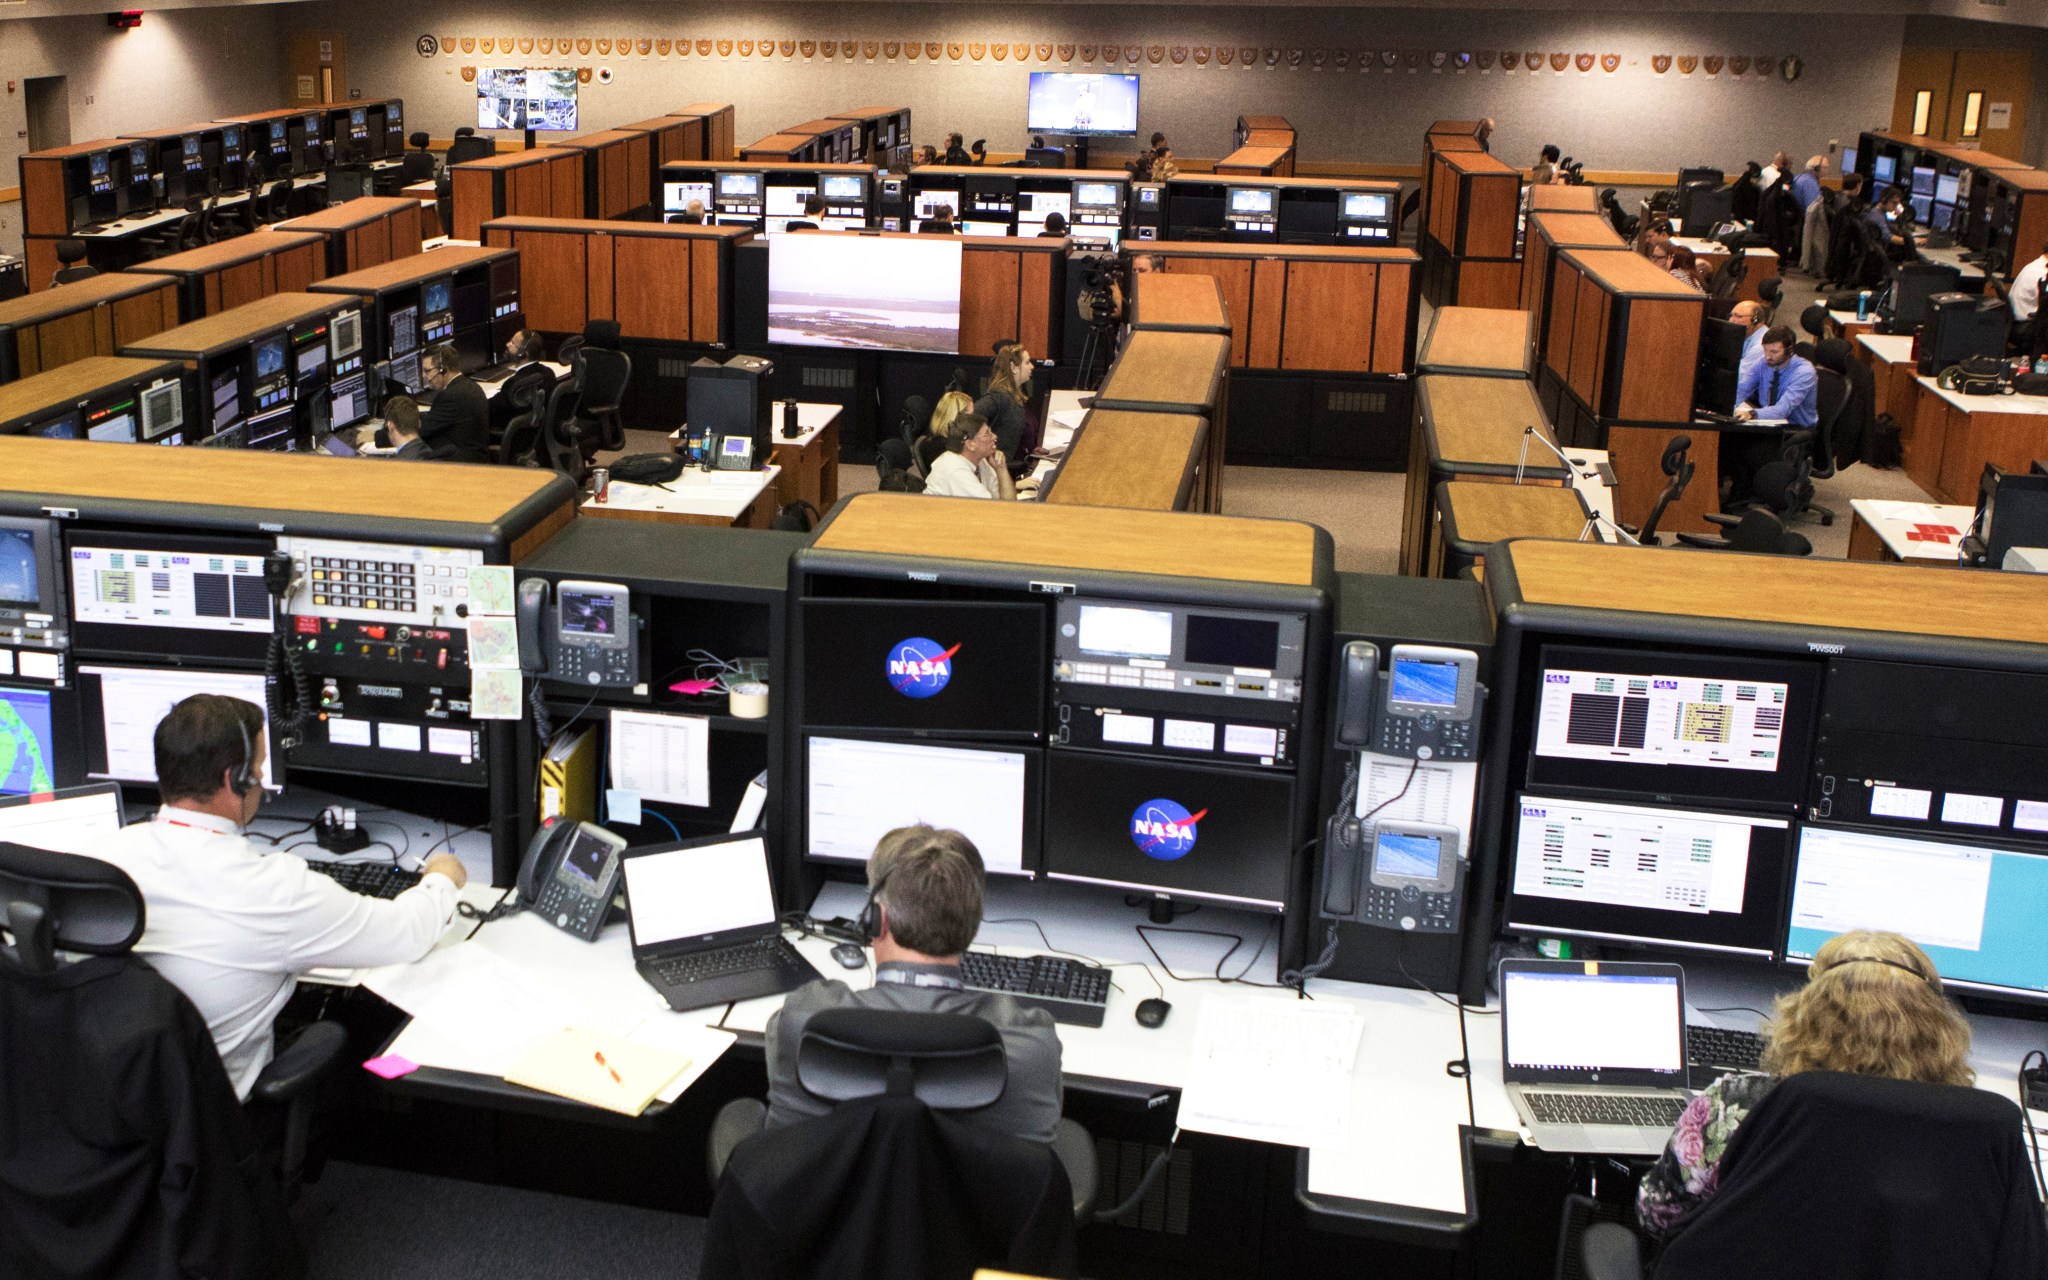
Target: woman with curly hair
<point>1872,1005</point>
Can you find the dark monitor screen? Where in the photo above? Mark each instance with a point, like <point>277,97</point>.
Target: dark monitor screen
<point>1975,908</point>
<point>1917,282</point>
<point>62,427</point>
<point>1168,828</point>
<point>1652,874</point>
<point>1629,723</point>
<point>925,666</point>
<point>1720,371</point>
<point>272,430</point>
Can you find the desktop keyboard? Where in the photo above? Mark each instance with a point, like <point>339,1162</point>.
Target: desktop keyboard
<point>371,879</point>
<point>1069,990</point>
<point>1640,1109</point>
<point>1712,1052</point>
<point>747,957</point>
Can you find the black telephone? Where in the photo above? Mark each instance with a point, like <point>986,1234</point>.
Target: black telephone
<point>570,875</point>
<point>586,636</point>
<point>1391,873</point>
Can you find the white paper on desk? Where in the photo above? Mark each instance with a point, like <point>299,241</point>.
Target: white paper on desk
<point>663,757</point>
<point>1439,793</point>
<point>701,1045</point>
<point>475,997</point>
<point>1069,418</point>
<point>1275,1071</point>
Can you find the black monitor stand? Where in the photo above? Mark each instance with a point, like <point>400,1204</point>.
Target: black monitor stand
<point>1080,151</point>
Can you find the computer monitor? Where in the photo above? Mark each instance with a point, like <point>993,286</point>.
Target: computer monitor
<point>72,820</point>
<point>309,356</point>
<point>1848,160</point>
<point>163,409</point>
<point>1883,169</point>
<point>925,204</point>
<point>63,426</point>
<point>401,373</point>
<point>1923,180</point>
<point>1036,206</point>
<point>112,423</point>
<point>1923,209</point>
<point>150,594</point>
<point>1974,908</point>
<point>1169,828</point>
<point>273,429</point>
<point>1253,200</point>
<point>1366,204</point>
<point>1946,187</point>
<point>30,763</point>
<point>124,704</point>
<point>739,186</point>
<point>1720,369</point>
<point>985,228</point>
<point>925,666</point>
<point>437,310</point>
<point>858,790</point>
<point>1622,723</point>
<point>676,196</point>
<point>226,397</point>
<point>1704,206</point>
<point>345,335</point>
<point>1082,103</point>
<point>348,400</point>
<point>31,576</point>
<point>786,202</point>
<point>1648,874</point>
<point>1096,195</point>
<point>842,188</point>
<point>403,327</point>
<point>270,375</point>
<point>1912,287</point>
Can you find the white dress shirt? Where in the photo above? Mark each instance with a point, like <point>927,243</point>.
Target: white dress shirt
<point>953,476</point>
<point>2026,289</point>
<point>231,924</point>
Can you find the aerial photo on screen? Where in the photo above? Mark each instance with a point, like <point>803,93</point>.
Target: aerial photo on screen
<point>831,290</point>
<point>522,98</point>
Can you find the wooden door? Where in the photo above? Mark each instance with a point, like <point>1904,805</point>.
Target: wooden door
<point>2005,78</point>
<point>316,69</point>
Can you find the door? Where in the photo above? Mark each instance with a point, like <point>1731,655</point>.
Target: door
<point>1922,71</point>
<point>1988,99</point>
<point>47,101</point>
<point>316,69</point>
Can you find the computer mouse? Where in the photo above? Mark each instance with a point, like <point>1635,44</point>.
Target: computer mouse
<point>850,956</point>
<point>1153,1012</point>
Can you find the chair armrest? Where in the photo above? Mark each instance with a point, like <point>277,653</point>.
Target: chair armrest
<point>1707,541</point>
<point>302,1062</point>
<point>1721,518</point>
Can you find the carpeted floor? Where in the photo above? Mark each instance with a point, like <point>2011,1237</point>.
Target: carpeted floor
<point>365,1223</point>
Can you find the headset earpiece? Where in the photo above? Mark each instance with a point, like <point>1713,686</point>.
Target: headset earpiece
<point>869,922</point>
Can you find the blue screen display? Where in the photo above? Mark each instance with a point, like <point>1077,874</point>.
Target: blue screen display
<point>1401,854</point>
<point>1975,910</point>
<point>26,751</point>
<point>1433,684</point>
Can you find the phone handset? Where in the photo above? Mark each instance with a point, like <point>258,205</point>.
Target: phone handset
<point>287,688</point>
<point>531,608</point>
<point>570,875</point>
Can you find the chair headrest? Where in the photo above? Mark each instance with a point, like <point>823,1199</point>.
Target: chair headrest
<point>64,901</point>
<point>948,1061</point>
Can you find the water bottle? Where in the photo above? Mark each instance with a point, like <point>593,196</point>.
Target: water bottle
<point>1863,305</point>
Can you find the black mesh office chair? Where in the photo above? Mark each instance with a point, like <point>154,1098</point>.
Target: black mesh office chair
<point>468,147</point>
<point>601,389</point>
<point>134,1151</point>
<point>896,469</point>
<point>948,1061</point>
<point>556,445</point>
<point>1727,279</point>
<point>1678,471</point>
<point>1761,528</point>
<point>1846,1175</point>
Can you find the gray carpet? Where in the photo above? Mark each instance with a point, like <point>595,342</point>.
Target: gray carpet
<point>365,1223</point>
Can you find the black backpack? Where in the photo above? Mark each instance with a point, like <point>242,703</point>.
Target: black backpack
<point>1881,448</point>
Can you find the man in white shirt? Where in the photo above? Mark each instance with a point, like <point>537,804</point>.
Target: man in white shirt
<point>230,924</point>
<point>972,466</point>
<point>2026,289</point>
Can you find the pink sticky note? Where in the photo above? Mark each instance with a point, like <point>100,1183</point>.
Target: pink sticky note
<point>692,687</point>
<point>391,1066</point>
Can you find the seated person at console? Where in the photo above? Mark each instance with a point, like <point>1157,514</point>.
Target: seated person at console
<point>1755,319</point>
<point>691,216</point>
<point>814,209</point>
<point>1872,1005</point>
<point>402,426</point>
<point>457,427</point>
<point>1055,226</point>
<point>927,887</point>
<point>940,223</point>
<point>1781,387</point>
<point>232,924</point>
<point>972,466</point>
<point>1007,402</point>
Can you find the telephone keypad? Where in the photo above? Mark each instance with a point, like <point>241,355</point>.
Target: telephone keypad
<point>592,666</point>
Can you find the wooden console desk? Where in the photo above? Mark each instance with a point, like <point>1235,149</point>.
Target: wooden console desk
<point>95,317</point>
<point>1146,461</point>
<point>1483,342</point>
<point>1470,429</point>
<point>659,280</point>
<point>1177,373</point>
<point>366,232</point>
<point>546,182</point>
<point>229,273</point>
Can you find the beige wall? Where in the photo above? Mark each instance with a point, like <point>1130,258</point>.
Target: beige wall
<point>1634,119</point>
<point>192,64</point>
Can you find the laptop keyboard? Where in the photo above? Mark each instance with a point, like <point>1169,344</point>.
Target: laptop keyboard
<point>747,957</point>
<point>1643,1110</point>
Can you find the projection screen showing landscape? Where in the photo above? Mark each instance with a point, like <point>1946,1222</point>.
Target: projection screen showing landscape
<point>831,289</point>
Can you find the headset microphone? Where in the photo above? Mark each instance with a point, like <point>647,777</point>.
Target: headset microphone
<point>243,780</point>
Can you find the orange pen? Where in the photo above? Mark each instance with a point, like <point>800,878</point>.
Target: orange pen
<point>616,1077</point>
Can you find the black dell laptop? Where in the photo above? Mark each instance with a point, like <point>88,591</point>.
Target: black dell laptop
<point>702,915</point>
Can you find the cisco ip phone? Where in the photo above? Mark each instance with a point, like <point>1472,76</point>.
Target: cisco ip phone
<point>1396,874</point>
<point>570,875</point>
<point>579,633</point>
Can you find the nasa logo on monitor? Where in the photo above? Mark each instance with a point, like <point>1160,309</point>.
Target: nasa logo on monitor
<point>920,668</point>
<point>1164,829</point>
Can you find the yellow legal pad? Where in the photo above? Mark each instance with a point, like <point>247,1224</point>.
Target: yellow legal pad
<point>568,1064</point>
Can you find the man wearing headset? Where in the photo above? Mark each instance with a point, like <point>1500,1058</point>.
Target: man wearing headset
<point>231,923</point>
<point>924,908</point>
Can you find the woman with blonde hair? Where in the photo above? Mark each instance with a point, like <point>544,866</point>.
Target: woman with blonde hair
<point>1872,1005</point>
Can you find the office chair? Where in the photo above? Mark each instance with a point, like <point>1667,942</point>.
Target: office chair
<point>1727,279</point>
<point>895,468</point>
<point>569,352</point>
<point>468,147</point>
<point>1678,470</point>
<point>142,1153</point>
<point>1838,397</point>
<point>1761,528</point>
<point>1411,204</point>
<point>915,421</point>
<point>947,1061</point>
<point>444,202</point>
<point>1623,223</point>
<point>175,238</point>
<point>600,390</point>
<point>208,231</point>
<point>1939,1184</point>
<point>557,446</point>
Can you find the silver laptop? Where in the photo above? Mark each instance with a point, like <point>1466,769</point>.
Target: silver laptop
<point>67,820</point>
<point>1593,1053</point>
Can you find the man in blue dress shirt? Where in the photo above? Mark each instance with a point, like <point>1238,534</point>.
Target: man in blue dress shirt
<point>1782,388</point>
<point>1755,319</point>
<point>1806,187</point>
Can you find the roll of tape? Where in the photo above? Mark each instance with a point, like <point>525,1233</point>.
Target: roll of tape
<point>749,700</point>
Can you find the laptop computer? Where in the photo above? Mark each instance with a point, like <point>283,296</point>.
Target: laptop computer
<point>1593,1053</point>
<point>702,917</point>
<point>67,820</point>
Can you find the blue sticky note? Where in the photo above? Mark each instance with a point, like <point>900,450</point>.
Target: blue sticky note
<point>622,806</point>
